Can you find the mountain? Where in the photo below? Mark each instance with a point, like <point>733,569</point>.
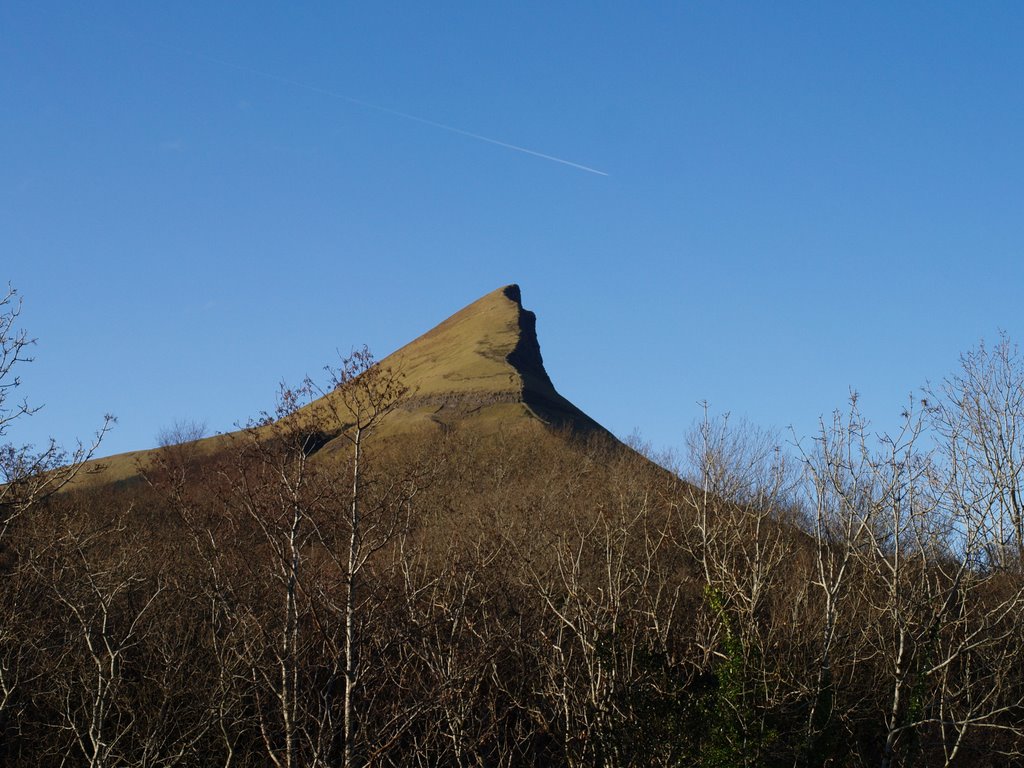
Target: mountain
<point>483,364</point>
<point>481,369</point>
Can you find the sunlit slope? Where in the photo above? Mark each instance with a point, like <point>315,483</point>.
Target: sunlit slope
<point>478,362</point>
<point>480,369</point>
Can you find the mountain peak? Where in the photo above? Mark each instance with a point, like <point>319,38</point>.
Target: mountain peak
<point>485,355</point>
<point>480,369</point>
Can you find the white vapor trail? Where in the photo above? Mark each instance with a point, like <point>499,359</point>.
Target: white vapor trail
<point>385,110</point>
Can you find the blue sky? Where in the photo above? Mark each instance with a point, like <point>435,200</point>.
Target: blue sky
<point>800,198</point>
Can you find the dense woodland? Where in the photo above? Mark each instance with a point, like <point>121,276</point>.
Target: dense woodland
<point>522,599</point>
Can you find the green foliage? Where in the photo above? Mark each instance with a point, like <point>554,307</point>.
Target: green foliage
<point>737,728</point>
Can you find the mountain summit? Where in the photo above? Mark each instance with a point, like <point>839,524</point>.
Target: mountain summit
<point>480,369</point>
<point>483,364</point>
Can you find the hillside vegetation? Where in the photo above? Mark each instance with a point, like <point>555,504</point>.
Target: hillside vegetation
<point>437,560</point>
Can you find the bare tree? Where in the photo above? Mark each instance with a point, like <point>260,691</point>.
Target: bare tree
<point>28,475</point>
<point>596,555</point>
<point>738,530</point>
<point>182,432</point>
<point>978,413</point>
<point>274,485</point>
<point>105,608</point>
<point>839,490</point>
<point>319,531</point>
<point>362,394</point>
<point>908,617</point>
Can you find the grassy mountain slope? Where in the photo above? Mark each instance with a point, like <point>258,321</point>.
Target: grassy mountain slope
<point>480,369</point>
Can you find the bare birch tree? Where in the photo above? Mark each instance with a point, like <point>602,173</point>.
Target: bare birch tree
<point>275,487</point>
<point>362,394</point>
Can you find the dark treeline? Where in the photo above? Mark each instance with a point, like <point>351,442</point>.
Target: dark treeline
<point>527,598</point>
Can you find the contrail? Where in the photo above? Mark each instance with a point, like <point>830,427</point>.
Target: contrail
<point>379,108</point>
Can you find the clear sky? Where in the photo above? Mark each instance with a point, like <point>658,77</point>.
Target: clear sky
<point>200,200</point>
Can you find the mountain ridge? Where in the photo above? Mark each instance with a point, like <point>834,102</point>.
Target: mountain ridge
<point>481,368</point>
